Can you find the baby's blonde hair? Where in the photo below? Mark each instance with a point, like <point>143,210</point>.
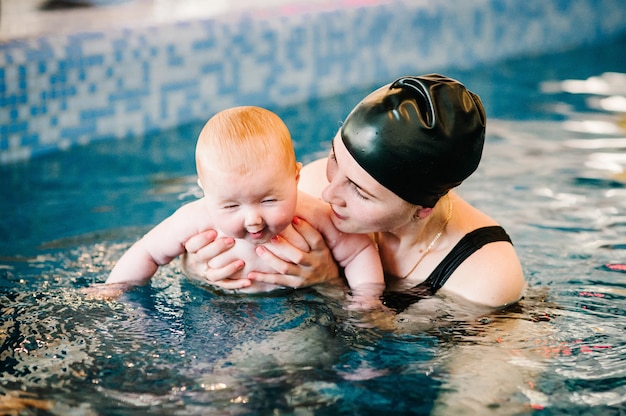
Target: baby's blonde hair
<point>244,139</point>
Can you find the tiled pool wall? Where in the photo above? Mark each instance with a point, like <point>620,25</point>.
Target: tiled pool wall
<point>60,90</point>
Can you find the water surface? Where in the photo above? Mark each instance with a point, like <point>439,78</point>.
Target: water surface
<point>552,174</point>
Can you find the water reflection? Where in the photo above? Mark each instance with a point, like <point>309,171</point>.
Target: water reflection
<point>608,83</point>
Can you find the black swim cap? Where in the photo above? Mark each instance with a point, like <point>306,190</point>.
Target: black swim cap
<point>418,136</point>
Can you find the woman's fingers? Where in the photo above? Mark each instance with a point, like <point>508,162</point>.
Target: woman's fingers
<point>283,253</point>
<point>221,274</point>
<point>294,247</point>
<point>207,245</point>
<point>277,263</point>
<point>312,236</point>
<point>231,284</point>
<point>304,269</point>
<point>200,240</point>
<point>303,260</point>
<point>278,279</point>
<point>201,249</point>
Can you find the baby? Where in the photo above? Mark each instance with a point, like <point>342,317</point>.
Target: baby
<point>248,172</point>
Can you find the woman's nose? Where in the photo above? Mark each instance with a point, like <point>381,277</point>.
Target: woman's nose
<point>329,194</point>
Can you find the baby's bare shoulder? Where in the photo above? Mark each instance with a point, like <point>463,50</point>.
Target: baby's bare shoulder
<point>192,217</point>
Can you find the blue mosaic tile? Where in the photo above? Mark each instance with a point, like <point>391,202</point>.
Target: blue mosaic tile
<point>112,83</point>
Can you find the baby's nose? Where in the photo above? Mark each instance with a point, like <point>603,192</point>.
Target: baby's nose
<point>253,217</point>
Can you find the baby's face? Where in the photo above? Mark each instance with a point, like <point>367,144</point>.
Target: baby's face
<point>255,206</point>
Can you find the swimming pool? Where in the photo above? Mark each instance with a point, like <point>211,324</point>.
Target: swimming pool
<point>552,174</point>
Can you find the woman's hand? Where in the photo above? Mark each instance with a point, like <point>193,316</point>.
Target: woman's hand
<point>201,249</point>
<point>296,267</point>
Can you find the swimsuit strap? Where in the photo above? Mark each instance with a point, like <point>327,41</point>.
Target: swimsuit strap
<point>468,245</point>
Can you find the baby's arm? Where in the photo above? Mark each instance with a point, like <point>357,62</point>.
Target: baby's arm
<point>159,246</point>
<point>137,265</point>
<point>362,265</point>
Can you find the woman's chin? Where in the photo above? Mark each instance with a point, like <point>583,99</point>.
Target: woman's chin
<point>341,224</point>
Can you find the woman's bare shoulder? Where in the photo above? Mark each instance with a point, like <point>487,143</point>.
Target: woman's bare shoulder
<point>313,177</point>
<point>313,209</point>
<point>491,276</point>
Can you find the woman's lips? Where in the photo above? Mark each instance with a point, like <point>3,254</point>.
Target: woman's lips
<point>337,215</point>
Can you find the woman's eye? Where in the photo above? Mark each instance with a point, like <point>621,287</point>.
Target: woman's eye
<point>358,192</point>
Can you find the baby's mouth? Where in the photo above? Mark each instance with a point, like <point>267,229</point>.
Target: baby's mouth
<point>257,235</point>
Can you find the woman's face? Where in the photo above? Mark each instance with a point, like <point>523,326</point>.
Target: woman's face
<point>359,203</point>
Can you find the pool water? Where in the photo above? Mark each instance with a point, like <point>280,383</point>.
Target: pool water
<point>552,174</point>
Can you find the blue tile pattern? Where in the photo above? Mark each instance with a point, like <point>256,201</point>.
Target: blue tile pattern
<point>63,90</point>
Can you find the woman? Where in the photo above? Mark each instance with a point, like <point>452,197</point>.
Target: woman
<point>390,173</point>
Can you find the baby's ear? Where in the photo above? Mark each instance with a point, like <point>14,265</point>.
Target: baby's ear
<point>298,168</point>
<point>200,184</point>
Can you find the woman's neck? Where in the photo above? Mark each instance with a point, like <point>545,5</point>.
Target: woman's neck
<point>403,249</point>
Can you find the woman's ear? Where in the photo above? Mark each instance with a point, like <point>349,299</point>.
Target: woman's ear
<point>421,212</point>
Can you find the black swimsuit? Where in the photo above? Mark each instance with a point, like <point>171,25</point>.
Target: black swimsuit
<point>469,244</point>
